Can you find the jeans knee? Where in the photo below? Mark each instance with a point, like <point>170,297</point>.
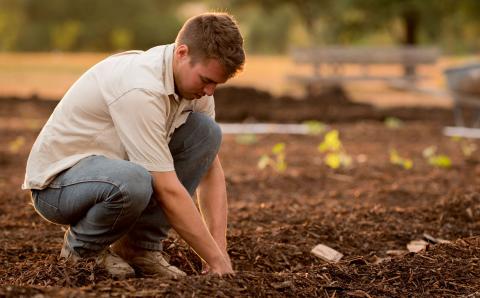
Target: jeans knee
<point>136,185</point>
<point>208,131</point>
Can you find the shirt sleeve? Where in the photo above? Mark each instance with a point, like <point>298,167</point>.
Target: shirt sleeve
<point>206,105</point>
<point>140,120</point>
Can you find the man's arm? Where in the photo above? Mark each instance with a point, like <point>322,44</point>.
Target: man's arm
<point>212,197</point>
<point>186,220</point>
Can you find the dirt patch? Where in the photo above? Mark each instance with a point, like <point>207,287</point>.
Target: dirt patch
<point>275,219</point>
<point>239,104</point>
<point>242,104</point>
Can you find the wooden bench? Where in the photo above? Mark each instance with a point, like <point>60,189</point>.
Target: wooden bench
<point>328,64</point>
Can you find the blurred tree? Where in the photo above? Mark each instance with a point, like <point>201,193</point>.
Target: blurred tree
<point>419,21</point>
<point>271,36</point>
<point>310,12</point>
<point>11,20</point>
<point>344,20</point>
<point>32,25</point>
<point>121,38</point>
<point>414,16</point>
<point>268,25</point>
<point>65,35</point>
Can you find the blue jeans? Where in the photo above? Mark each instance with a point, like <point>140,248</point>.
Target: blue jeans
<point>104,199</point>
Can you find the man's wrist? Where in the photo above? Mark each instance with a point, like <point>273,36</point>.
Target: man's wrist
<point>221,241</point>
<point>218,261</point>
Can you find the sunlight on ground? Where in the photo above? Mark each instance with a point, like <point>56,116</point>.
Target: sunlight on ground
<point>50,74</point>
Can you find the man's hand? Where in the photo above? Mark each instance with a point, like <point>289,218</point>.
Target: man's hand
<point>212,199</point>
<point>224,268</point>
<point>186,220</point>
<point>206,269</point>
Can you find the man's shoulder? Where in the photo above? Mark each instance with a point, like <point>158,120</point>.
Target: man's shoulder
<point>131,52</point>
<point>150,70</point>
<point>152,51</point>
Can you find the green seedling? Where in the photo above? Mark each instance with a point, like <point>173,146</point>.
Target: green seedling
<point>335,155</point>
<point>393,123</point>
<point>436,160</point>
<point>429,151</point>
<point>440,161</point>
<point>17,144</point>
<point>397,160</point>
<point>33,124</point>
<point>331,142</point>
<point>276,161</point>
<point>246,139</point>
<point>467,146</point>
<point>315,127</point>
<point>337,160</point>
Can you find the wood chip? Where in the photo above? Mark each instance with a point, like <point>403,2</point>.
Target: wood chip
<point>358,293</point>
<point>430,238</point>
<point>282,285</point>
<point>416,245</point>
<point>396,252</point>
<point>469,212</point>
<point>377,260</point>
<point>434,240</point>
<point>327,253</point>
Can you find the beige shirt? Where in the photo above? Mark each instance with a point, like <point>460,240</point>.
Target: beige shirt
<point>124,107</point>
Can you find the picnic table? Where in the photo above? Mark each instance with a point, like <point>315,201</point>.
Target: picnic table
<point>328,64</point>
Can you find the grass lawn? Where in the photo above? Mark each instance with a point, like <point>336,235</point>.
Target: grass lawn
<point>50,74</point>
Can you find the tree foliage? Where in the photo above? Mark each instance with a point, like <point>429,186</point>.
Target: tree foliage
<point>449,23</point>
<point>269,26</point>
<point>86,24</point>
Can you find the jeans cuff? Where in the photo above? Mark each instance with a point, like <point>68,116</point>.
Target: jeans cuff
<point>148,245</point>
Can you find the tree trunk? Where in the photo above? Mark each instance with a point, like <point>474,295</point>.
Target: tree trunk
<point>308,17</point>
<point>410,22</point>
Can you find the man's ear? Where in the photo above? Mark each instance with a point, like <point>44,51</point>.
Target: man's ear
<point>181,51</point>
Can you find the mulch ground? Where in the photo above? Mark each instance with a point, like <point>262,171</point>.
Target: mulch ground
<point>275,219</point>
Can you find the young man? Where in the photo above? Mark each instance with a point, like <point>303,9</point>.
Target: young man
<point>127,147</point>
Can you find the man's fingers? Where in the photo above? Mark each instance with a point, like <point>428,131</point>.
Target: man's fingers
<point>231,273</point>
<point>205,268</point>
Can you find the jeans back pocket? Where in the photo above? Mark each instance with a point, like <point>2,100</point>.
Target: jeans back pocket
<point>45,202</point>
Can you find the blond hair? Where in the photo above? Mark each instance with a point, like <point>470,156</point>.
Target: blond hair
<point>214,36</point>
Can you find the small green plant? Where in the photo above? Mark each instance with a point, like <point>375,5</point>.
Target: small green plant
<point>467,146</point>
<point>436,160</point>
<point>246,139</point>
<point>17,144</point>
<point>393,123</point>
<point>276,161</point>
<point>335,154</point>
<point>397,160</point>
<point>315,127</point>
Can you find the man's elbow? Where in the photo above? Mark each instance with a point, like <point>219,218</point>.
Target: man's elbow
<point>166,187</point>
<point>215,169</point>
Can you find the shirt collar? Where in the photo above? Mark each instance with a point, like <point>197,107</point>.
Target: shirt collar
<point>168,78</point>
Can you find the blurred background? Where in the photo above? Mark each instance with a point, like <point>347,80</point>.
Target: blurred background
<point>46,45</point>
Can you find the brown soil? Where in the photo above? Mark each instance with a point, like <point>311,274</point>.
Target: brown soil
<point>235,104</point>
<point>275,219</point>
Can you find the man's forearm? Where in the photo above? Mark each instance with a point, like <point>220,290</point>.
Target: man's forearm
<point>213,203</point>
<point>186,220</point>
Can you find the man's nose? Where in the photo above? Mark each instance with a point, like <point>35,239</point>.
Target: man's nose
<point>209,89</point>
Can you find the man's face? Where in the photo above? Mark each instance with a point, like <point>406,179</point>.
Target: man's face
<point>194,80</point>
